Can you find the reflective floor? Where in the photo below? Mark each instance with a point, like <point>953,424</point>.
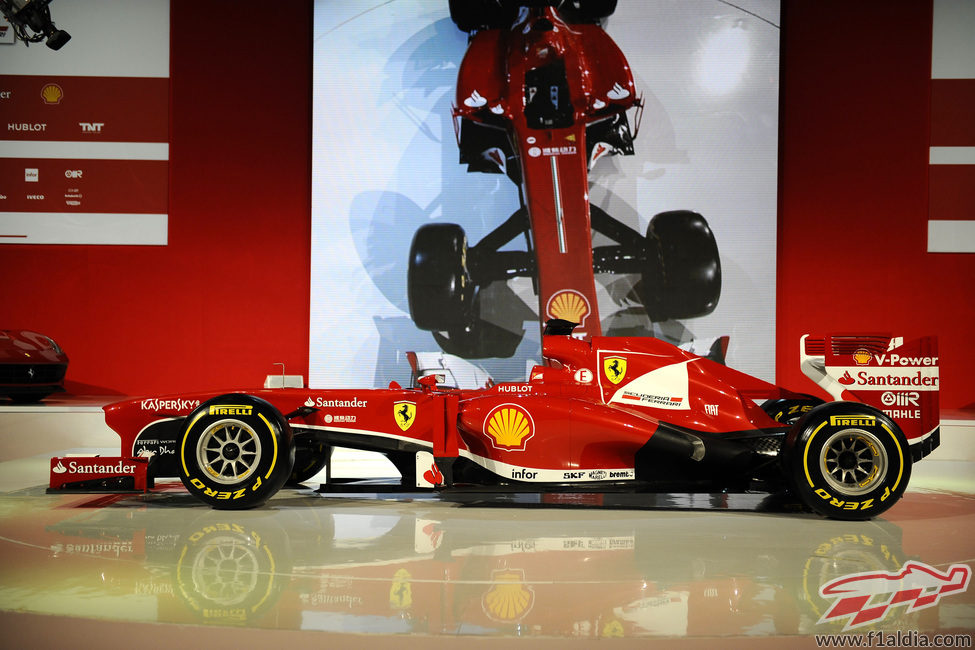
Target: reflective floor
<point>393,566</point>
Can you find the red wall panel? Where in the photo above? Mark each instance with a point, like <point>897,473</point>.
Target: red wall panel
<point>853,202</point>
<point>228,296</point>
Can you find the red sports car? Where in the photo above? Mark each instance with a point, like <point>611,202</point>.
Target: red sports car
<point>32,365</point>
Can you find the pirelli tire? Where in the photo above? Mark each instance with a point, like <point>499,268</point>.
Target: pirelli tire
<point>310,459</point>
<point>230,570</point>
<point>235,452</point>
<point>789,410</point>
<point>847,460</point>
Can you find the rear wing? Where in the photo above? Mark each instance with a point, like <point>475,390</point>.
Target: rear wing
<point>899,378</point>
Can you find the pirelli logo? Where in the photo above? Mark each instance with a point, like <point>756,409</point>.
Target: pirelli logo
<point>235,409</point>
<point>852,421</point>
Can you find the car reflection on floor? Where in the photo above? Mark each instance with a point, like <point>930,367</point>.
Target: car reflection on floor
<point>428,567</point>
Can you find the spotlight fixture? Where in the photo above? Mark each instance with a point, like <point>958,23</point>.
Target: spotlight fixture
<point>34,15</point>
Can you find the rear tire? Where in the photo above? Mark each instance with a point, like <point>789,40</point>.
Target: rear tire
<point>847,460</point>
<point>789,410</point>
<point>235,452</point>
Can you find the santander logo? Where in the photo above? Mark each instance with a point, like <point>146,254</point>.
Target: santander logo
<point>93,466</point>
<point>863,598</point>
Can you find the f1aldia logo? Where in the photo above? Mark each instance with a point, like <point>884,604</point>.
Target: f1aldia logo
<point>864,598</point>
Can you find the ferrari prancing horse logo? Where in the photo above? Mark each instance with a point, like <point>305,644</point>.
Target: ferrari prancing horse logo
<point>404,413</point>
<point>614,368</point>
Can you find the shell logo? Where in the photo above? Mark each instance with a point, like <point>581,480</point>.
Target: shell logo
<point>509,426</point>
<point>509,598</point>
<point>568,305</point>
<point>52,94</point>
<point>862,357</point>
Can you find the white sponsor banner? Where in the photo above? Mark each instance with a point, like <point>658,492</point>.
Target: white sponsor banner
<point>945,236</point>
<point>109,38</point>
<point>542,475</point>
<point>84,150</point>
<point>82,228</point>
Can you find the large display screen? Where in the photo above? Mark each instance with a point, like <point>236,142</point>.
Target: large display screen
<point>386,163</point>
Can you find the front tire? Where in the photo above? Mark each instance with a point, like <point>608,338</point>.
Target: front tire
<point>235,452</point>
<point>847,460</point>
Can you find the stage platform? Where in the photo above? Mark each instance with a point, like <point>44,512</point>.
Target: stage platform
<point>378,569</point>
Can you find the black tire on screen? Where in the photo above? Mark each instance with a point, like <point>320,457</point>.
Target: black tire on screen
<point>469,15</point>
<point>847,460</point>
<point>480,339</point>
<point>682,278</point>
<point>438,285</point>
<point>594,10</point>
<point>235,452</point>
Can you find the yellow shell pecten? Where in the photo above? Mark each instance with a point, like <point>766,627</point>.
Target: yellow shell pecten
<point>51,94</point>
<point>509,598</point>
<point>569,306</point>
<point>509,427</point>
<point>862,357</point>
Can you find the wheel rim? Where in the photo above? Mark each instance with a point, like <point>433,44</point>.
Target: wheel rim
<point>228,451</point>
<point>853,461</point>
<point>225,571</point>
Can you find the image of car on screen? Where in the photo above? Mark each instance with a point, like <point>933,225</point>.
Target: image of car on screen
<point>542,94</point>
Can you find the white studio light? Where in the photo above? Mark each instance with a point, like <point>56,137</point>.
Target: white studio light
<point>723,59</point>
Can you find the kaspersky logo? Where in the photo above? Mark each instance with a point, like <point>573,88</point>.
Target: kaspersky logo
<point>864,598</point>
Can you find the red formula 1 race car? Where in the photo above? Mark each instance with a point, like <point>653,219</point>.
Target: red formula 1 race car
<point>613,415</point>
<point>542,94</point>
